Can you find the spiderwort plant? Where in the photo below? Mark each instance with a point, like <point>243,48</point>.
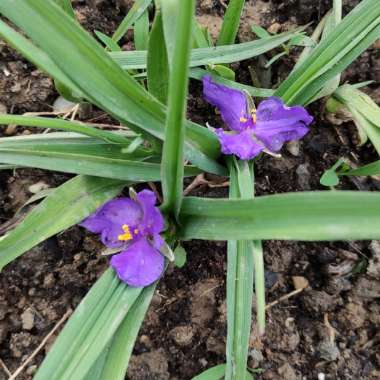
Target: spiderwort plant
<point>98,340</point>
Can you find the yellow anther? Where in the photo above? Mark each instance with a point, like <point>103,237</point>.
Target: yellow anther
<point>243,119</point>
<point>254,117</point>
<point>126,235</point>
<point>135,231</point>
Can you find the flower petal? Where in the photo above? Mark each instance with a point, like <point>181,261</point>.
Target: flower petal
<point>231,103</point>
<point>278,123</point>
<point>139,265</point>
<point>109,219</point>
<point>152,221</point>
<point>241,144</point>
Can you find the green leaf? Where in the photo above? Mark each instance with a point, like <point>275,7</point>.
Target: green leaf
<point>172,154</point>
<point>231,22</point>
<point>253,91</point>
<point>134,13</point>
<point>129,60</point>
<point>365,112</point>
<point>357,31</point>
<point>200,40</point>
<point>158,66</point>
<point>107,41</point>
<point>63,142</point>
<point>89,330</point>
<point>367,170</point>
<point>78,163</point>
<point>260,31</point>
<point>330,176</point>
<point>217,373</point>
<point>169,20</point>
<point>35,55</point>
<point>213,373</point>
<point>64,125</point>
<point>72,202</point>
<point>141,31</point>
<point>240,274</point>
<point>223,71</point>
<point>67,7</point>
<point>100,79</point>
<point>122,344</point>
<point>335,215</point>
<point>180,256</point>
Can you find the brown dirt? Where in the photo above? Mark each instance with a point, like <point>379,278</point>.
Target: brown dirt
<point>330,328</point>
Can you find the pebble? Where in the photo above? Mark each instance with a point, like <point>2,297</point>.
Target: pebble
<point>294,147</point>
<point>38,187</point>
<point>27,318</point>
<point>182,335</point>
<point>303,177</point>
<point>373,269</point>
<point>328,350</point>
<point>62,105</point>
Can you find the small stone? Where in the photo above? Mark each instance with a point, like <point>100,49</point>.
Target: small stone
<point>274,28</point>
<point>318,302</point>
<point>328,351</point>
<point>300,282</point>
<point>215,344</point>
<point>182,335</point>
<point>38,187</point>
<point>27,318</point>
<point>62,105</point>
<point>373,269</point>
<point>303,176</point>
<point>294,147</point>
<point>10,130</point>
<point>353,315</point>
<point>31,370</point>
<point>49,281</point>
<point>203,301</point>
<point>367,288</point>
<point>149,365</point>
<point>256,357</point>
<point>287,372</point>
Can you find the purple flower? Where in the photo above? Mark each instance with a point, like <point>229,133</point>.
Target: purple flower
<point>134,226</point>
<point>253,131</point>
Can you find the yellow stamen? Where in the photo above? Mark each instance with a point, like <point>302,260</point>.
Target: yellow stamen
<point>254,117</point>
<point>243,119</point>
<point>126,235</point>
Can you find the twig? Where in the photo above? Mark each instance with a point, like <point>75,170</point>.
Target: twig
<point>200,180</point>
<point>5,368</point>
<point>283,298</point>
<point>42,344</point>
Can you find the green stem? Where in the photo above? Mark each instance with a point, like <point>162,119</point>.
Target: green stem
<point>258,259</point>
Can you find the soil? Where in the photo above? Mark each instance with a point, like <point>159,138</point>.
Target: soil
<point>328,331</point>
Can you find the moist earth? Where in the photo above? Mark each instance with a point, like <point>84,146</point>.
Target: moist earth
<point>328,330</point>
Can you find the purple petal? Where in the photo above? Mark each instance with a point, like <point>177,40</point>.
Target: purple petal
<point>109,219</point>
<point>241,144</point>
<point>277,123</point>
<point>231,103</point>
<point>139,265</point>
<point>152,221</point>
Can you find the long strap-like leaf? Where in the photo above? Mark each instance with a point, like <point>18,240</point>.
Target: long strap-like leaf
<point>326,215</point>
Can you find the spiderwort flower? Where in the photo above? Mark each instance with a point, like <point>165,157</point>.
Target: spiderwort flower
<point>253,131</point>
<point>133,226</point>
